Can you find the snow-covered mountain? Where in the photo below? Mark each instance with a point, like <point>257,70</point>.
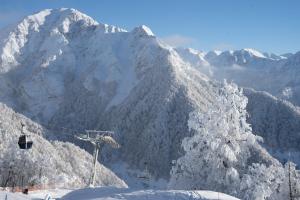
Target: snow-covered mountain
<point>276,74</point>
<point>61,68</point>
<point>277,121</point>
<point>47,51</point>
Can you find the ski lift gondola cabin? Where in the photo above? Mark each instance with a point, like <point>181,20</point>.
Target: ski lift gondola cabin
<point>24,140</point>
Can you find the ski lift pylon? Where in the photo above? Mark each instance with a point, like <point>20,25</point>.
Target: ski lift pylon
<point>145,174</point>
<point>98,139</point>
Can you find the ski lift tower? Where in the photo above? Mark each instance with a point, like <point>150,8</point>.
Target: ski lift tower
<point>98,139</point>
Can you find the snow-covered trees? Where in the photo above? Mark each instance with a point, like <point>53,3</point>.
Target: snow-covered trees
<point>224,155</point>
<point>292,182</point>
<point>278,122</point>
<point>215,149</point>
<point>273,182</point>
<point>262,182</point>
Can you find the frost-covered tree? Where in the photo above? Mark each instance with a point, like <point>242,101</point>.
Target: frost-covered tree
<point>273,182</point>
<point>292,182</point>
<point>263,182</point>
<point>224,155</point>
<point>216,145</point>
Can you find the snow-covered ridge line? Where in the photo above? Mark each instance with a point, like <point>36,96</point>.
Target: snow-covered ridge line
<point>251,53</point>
<point>46,19</point>
<point>246,51</point>
<point>276,74</point>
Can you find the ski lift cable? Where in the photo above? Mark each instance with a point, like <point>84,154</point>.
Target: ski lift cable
<point>95,137</point>
<point>110,133</point>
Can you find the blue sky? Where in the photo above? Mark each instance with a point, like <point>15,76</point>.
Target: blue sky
<point>265,25</point>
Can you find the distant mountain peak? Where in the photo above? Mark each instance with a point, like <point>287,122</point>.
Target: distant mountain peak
<point>217,52</point>
<point>253,52</point>
<point>143,30</point>
<point>57,16</point>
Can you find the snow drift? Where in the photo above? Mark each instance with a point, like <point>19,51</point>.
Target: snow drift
<point>113,193</point>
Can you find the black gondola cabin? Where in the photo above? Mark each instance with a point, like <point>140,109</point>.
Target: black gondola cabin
<point>24,142</point>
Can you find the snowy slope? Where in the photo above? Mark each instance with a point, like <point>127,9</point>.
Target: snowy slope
<point>13,196</point>
<point>147,121</point>
<point>113,193</point>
